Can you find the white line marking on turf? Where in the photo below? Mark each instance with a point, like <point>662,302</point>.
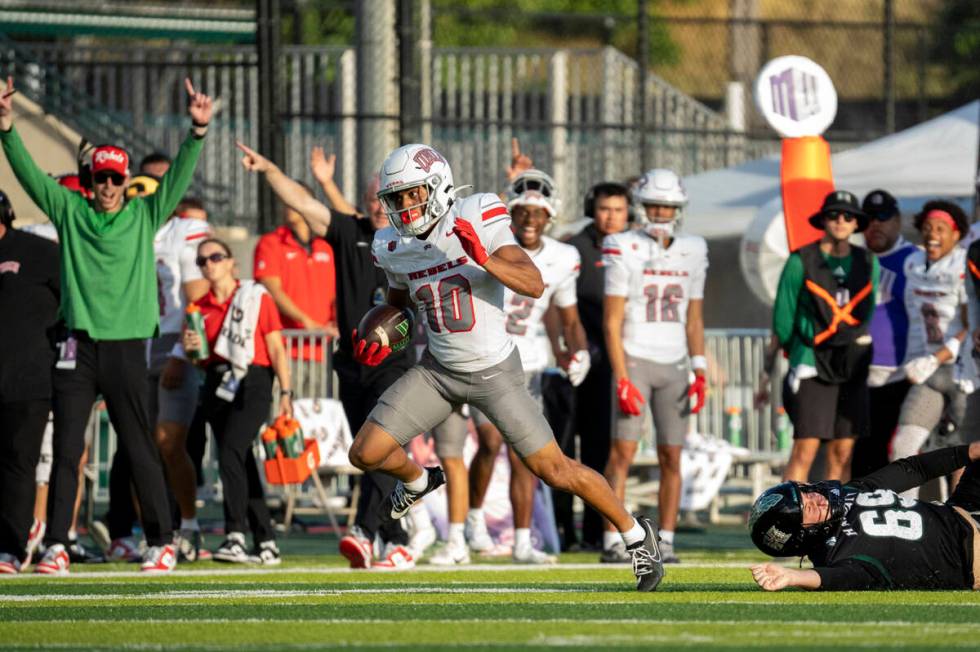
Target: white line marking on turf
<point>326,570</point>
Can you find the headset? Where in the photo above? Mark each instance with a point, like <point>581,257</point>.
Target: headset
<point>606,189</point>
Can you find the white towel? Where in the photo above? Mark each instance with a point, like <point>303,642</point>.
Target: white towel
<point>236,341</point>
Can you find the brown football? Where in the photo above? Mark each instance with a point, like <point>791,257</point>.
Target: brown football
<point>386,325</point>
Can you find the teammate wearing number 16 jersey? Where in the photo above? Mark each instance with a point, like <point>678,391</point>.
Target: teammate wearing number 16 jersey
<point>454,258</point>
<point>652,320</point>
<point>865,535</point>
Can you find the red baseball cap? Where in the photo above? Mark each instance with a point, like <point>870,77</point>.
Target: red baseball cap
<point>111,158</point>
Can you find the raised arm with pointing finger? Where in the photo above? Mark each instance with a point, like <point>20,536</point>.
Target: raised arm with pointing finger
<point>291,193</point>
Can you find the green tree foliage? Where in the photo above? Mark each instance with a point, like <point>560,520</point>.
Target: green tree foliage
<point>957,47</point>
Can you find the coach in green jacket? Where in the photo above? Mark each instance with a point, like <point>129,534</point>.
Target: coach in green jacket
<point>110,305</point>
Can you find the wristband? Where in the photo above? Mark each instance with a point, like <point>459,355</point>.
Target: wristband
<point>953,346</point>
<point>699,362</point>
<point>286,392</point>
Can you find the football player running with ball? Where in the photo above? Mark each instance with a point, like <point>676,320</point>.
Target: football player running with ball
<point>454,257</point>
<point>653,321</point>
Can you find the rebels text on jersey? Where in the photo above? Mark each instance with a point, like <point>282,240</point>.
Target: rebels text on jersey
<point>891,542</point>
<point>175,248</point>
<point>658,285</point>
<point>934,294</point>
<point>559,264</point>
<point>461,302</point>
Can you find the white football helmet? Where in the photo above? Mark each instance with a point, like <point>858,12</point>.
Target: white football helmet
<point>534,188</point>
<point>660,187</point>
<point>410,166</point>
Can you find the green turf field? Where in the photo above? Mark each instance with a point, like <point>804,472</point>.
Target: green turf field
<point>312,602</point>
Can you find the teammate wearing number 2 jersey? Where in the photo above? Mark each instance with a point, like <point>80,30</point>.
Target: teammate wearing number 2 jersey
<point>453,258</point>
<point>653,322</point>
<point>865,535</point>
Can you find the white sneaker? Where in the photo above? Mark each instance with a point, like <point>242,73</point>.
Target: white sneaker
<point>529,555</point>
<point>9,565</point>
<point>124,549</point>
<point>54,562</point>
<point>477,535</point>
<point>233,549</point>
<point>160,559</point>
<point>397,557</point>
<point>422,534</point>
<point>451,555</point>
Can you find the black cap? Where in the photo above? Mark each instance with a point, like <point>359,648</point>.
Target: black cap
<point>880,205</point>
<point>840,201</point>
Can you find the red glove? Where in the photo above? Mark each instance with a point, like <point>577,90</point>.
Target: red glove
<point>470,241</point>
<point>629,396</point>
<point>698,388</point>
<point>372,355</point>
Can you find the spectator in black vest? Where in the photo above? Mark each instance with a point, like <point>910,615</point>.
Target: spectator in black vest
<point>824,304</point>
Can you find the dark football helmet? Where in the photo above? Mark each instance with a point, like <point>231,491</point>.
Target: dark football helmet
<point>776,521</point>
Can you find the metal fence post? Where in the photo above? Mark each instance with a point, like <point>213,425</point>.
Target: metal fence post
<point>270,131</point>
<point>611,82</point>
<point>348,125</point>
<point>377,90</point>
<point>558,108</point>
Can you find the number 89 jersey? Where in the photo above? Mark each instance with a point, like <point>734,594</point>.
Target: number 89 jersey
<point>462,304</point>
<point>658,285</point>
<point>897,543</point>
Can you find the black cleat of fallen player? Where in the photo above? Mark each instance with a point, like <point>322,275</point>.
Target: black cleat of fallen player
<point>402,498</point>
<point>648,565</point>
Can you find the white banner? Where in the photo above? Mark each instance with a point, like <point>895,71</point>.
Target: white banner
<point>323,419</point>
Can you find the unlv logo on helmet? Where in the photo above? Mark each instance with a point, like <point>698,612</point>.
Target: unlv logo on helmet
<point>426,158</point>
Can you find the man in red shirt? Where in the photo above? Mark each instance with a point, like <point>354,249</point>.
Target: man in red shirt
<point>298,270</point>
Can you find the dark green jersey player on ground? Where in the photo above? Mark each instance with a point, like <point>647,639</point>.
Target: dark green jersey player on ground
<point>864,536</point>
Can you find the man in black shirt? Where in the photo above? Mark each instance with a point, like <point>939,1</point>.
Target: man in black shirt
<point>864,535</point>
<point>29,296</point>
<point>360,286</point>
<point>608,205</point>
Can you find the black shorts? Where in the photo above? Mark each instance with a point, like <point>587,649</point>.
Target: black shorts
<point>827,411</point>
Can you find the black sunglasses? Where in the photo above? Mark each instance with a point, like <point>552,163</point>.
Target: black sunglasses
<point>216,257</point>
<point>102,177</point>
<point>833,217</point>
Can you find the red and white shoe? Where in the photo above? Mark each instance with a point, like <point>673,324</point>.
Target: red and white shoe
<point>34,538</point>
<point>54,562</point>
<point>160,559</point>
<point>357,548</point>
<point>124,549</point>
<point>9,565</point>
<point>398,558</point>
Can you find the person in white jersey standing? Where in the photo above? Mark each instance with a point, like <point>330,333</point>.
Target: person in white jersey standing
<point>654,327</point>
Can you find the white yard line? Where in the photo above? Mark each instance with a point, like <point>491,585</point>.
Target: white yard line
<point>326,570</point>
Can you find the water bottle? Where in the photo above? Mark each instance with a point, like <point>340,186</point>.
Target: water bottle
<point>784,430</point>
<point>270,442</point>
<point>195,323</point>
<point>734,425</point>
<point>290,438</point>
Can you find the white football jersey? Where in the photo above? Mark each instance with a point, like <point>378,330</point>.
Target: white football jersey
<point>559,264</point>
<point>461,303</point>
<point>175,248</point>
<point>658,285</point>
<point>934,295</point>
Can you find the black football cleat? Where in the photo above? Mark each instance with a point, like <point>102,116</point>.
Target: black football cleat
<point>402,498</point>
<point>648,563</point>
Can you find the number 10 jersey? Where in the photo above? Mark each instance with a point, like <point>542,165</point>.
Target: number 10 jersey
<point>658,285</point>
<point>462,304</point>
